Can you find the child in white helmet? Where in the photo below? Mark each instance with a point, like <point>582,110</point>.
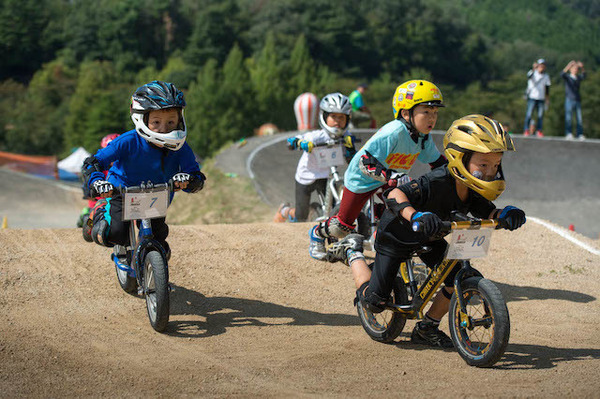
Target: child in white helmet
<point>334,116</point>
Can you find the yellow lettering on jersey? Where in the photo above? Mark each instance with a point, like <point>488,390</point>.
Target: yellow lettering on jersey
<point>401,161</point>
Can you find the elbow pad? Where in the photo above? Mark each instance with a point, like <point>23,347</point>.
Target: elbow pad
<point>370,166</point>
<point>90,166</point>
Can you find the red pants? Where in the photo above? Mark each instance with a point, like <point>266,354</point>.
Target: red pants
<point>351,205</point>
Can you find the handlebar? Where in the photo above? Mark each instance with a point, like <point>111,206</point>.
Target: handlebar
<point>331,143</point>
<point>473,224</point>
<point>145,187</point>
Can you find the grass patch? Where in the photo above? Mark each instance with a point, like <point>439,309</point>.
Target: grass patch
<point>223,199</point>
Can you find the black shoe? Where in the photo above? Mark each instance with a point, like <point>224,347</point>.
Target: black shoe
<point>430,335</point>
<point>360,297</point>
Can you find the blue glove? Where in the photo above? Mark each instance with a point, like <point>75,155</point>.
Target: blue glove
<point>307,145</point>
<point>511,218</point>
<point>426,222</point>
<point>293,143</point>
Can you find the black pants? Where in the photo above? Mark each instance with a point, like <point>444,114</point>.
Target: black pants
<point>303,193</point>
<point>386,268</point>
<point>119,229</point>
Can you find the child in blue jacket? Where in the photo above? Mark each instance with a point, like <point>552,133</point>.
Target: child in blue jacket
<point>154,151</point>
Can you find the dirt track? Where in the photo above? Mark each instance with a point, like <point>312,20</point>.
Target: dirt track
<point>253,315</point>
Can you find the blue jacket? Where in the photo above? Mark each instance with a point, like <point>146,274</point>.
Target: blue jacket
<point>134,161</point>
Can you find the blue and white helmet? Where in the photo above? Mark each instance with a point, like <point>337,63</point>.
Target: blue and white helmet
<point>334,103</point>
<point>153,96</point>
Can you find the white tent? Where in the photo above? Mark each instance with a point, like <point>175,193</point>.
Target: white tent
<point>73,162</point>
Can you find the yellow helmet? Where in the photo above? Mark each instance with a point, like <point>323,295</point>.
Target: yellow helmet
<point>414,92</point>
<point>476,133</point>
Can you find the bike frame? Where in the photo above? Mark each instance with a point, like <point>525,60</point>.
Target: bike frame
<point>140,243</point>
<point>436,277</point>
<point>331,194</point>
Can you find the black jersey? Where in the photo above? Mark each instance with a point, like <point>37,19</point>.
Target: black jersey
<point>433,192</point>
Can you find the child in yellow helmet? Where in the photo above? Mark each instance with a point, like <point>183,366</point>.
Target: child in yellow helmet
<point>474,146</point>
<point>386,158</point>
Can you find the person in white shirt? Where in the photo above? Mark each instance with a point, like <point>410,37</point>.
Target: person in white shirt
<point>334,117</point>
<point>538,95</point>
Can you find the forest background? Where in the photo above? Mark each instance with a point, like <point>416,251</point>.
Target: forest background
<point>69,67</point>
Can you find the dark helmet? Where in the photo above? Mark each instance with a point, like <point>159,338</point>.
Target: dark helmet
<point>158,95</point>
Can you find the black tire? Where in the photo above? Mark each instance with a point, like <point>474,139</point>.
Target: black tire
<point>385,326</point>
<point>484,344</point>
<point>156,289</point>
<point>127,283</point>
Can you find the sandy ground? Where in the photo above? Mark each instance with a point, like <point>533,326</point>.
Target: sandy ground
<point>253,315</point>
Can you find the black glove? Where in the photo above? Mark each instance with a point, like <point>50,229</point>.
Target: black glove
<point>426,222</point>
<point>101,188</point>
<point>511,218</point>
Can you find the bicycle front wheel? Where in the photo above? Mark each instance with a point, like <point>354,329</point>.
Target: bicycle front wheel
<point>482,343</point>
<point>156,290</point>
<point>385,326</point>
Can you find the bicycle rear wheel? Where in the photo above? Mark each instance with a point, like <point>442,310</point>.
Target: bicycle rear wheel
<point>156,290</point>
<point>484,343</point>
<point>385,326</point>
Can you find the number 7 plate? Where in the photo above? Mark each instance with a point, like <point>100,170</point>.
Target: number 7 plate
<point>469,244</point>
<point>145,205</point>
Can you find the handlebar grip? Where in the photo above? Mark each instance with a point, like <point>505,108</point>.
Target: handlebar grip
<point>418,227</point>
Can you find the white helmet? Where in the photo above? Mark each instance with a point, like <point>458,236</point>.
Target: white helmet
<point>154,96</point>
<point>334,103</point>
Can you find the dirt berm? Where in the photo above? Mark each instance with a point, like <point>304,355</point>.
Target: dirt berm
<point>254,316</point>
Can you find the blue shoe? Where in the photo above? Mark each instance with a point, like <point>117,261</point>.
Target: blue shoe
<point>316,250</point>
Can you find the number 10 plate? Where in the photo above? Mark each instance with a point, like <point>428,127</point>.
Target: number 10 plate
<point>469,244</point>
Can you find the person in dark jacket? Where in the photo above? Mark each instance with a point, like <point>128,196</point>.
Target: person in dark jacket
<point>573,74</point>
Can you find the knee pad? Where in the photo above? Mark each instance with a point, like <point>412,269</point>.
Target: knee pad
<point>100,233</point>
<point>334,228</point>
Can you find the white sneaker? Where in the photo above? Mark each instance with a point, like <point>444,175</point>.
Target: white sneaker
<point>569,136</point>
<point>316,250</point>
<point>581,138</point>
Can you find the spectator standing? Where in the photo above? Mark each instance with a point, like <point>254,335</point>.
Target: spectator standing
<point>360,112</point>
<point>573,74</point>
<point>538,95</point>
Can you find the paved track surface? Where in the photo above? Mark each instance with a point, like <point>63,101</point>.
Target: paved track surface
<point>549,178</point>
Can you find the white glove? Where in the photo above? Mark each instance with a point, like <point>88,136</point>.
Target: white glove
<point>102,188</point>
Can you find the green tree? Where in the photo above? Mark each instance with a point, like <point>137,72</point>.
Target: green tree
<point>40,115</point>
<point>98,106</point>
<point>202,111</point>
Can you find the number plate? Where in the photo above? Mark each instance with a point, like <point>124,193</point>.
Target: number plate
<point>329,156</point>
<point>145,205</point>
<point>469,244</point>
